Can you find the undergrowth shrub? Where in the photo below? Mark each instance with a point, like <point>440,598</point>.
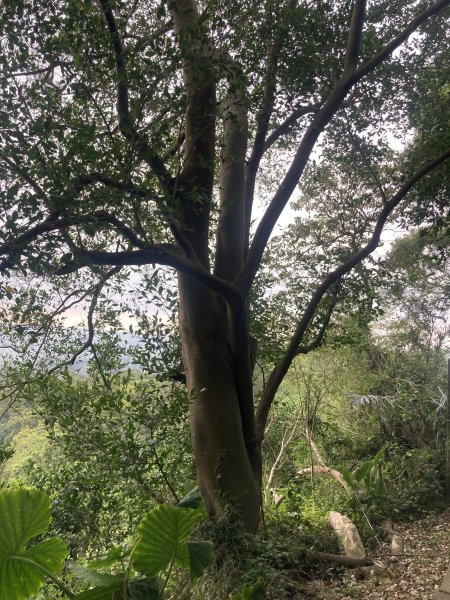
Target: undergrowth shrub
<point>414,482</point>
<point>268,565</point>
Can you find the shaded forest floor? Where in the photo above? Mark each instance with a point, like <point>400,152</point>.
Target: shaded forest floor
<point>416,574</point>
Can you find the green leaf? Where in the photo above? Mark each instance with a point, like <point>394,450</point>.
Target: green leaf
<point>200,556</point>
<point>363,471</point>
<point>164,532</point>
<point>257,591</point>
<point>99,593</point>
<point>378,456</point>
<point>348,478</point>
<point>193,499</point>
<point>114,555</point>
<point>145,589</point>
<point>95,578</point>
<point>25,513</point>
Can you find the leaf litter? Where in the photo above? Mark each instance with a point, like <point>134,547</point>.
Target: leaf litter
<point>416,574</point>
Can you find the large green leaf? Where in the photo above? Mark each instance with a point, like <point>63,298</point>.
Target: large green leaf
<point>145,589</point>
<point>139,589</point>
<point>95,578</point>
<point>200,556</point>
<point>114,555</point>
<point>193,499</point>
<point>348,478</point>
<point>25,513</point>
<point>257,591</point>
<point>164,532</point>
<point>100,593</point>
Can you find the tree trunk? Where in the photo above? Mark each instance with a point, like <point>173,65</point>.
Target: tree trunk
<point>224,471</point>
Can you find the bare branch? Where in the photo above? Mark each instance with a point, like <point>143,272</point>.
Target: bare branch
<point>90,321</point>
<point>324,470</point>
<point>31,72</point>
<point>287,186</point>
<point>262,121</point>
<point>146,41</point>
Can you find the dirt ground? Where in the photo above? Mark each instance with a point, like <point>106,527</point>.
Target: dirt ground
<point>417,574</point>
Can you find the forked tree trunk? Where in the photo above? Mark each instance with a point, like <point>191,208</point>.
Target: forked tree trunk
<point>224,472</point>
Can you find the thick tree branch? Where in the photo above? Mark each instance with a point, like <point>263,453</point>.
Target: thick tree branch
<point>196,177</point>
<point>317,342</point>
<point>23,239</point>
<point>126,231</point>
<point>230,242</point>
<point>282,367</point>
<point>354,36</point>
<point>262,122</point>
<point>287,186</point>
<point>231,227</point>
<point>163,254</point>
<point>91,178</point>
<point>317,126</point>
<point>18,243</point>
<point>286,126</point>
<point>385,52</point>
<point>126,124</point>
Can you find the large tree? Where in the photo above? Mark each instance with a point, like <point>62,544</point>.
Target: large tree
<point>136,132</point>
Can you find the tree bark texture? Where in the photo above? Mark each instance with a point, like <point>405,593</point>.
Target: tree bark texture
<point>224,471</point>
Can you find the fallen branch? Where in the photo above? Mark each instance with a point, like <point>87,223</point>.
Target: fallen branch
<point>348,535</point>
<point>347,561</point>
<point>327,471</point>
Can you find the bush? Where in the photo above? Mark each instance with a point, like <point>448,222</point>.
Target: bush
<point>414,482</point>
